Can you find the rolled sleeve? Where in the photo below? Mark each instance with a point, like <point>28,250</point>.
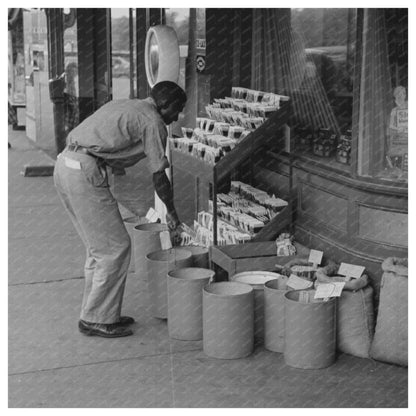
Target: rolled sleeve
<point>154,142</point>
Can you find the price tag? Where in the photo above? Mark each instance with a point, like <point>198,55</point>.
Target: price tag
<point>298,283</point>
<point>315,257</point>
<point>152,215</point>
<point>165,241</point>
<point>351,270</point>
<point>329,290</point>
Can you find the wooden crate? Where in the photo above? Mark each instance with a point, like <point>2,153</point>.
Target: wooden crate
<point>251,256</point>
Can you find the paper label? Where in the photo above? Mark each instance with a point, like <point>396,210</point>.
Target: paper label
<point>315,257</point>
<point>165,241</point>
<point>329,290</point>
<point>73,164</point>
<point>152,215</point>
<point>351,270</point>
<point>298,283</point>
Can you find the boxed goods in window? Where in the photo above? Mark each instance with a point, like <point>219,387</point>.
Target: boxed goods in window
<point>304,139</point>
<point>324,143</point>
<point>343,154</point>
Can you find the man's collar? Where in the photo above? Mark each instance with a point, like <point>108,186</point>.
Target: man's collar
<point>151,101</point>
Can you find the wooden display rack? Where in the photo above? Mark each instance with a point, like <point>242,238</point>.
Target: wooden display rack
<point>205,174</point>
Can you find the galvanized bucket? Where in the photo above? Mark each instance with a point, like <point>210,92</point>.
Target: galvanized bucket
<point>185,302</point>
<point>274,314</point>
<point>200,256</point>
<point>159,264</point>
<point>228,320</point>
<point>310,330</point>
<point>256,279</point>
<point>146,240</point>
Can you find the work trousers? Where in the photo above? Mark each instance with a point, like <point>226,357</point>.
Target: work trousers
<point>82,185</point>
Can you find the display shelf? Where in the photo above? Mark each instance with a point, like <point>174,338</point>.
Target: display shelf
<point>280,222</point>
<point>205,174</point>
<point>262,136</point>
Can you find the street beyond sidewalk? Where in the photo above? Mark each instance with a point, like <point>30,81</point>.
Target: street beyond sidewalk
<point>52,365</point>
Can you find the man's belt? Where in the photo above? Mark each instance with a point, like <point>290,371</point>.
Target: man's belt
<point>78,149</point>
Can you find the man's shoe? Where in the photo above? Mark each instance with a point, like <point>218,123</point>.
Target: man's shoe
<point>103,330</point>
<point>125,321</point>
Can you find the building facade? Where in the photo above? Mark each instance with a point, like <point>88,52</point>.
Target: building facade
<point>342,156</point>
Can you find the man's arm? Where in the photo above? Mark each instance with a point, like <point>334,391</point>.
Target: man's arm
<point>163,189</point>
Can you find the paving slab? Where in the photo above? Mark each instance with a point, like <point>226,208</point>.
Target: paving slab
<point>43,332</point>
<point>140,383</point>
<point>39,221</point>
<point>264,380</point>
<point>42,259</point>
<point>29,191</point>
<point>23,152</point>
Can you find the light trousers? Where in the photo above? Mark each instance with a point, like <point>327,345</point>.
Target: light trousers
<point>82,185</point>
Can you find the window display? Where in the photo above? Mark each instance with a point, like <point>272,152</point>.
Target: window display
<point>346,72</point>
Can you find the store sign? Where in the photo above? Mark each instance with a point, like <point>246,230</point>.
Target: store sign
<point>201,44</point>
<point>200,63</point>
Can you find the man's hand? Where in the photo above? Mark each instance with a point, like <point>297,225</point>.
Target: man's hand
<point>172,221</point>
<point>164,191</point>
<point>175,237</point>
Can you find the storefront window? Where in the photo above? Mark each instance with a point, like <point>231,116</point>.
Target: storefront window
<point>322,91</point>
<point>346,73</point>
<point>382,144</point>
<point>120,53</point>
<point>308,54</point>
<point>71,92</point>
<point>16,62</point>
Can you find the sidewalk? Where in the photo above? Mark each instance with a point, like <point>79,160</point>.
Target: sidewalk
<point>52,365</point>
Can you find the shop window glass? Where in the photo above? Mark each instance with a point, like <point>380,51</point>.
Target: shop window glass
<point>323,90</point>
<point>16,61</point>
<point>133,53</point>
<point>308,54</point>
<point>71,91</point>
<point>120,53</point>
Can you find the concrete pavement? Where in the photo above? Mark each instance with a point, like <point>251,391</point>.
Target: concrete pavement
<point>52,365</point>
